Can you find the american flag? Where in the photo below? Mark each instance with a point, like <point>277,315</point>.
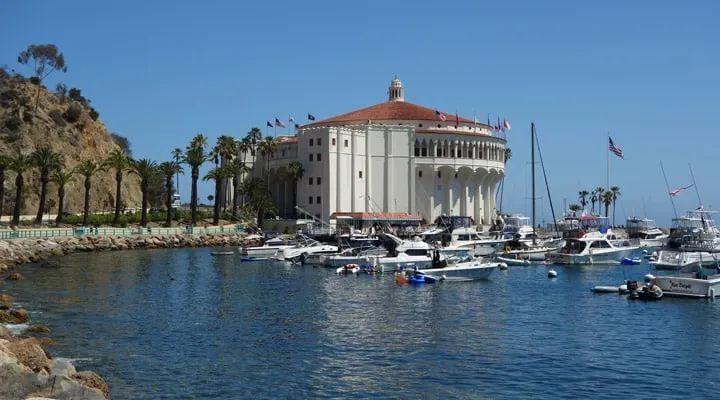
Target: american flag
<point>678,190</point>
<point>611,146</point>
<point>440,115</point>
<point>279,123</point>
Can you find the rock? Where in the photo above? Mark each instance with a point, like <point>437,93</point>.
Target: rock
<point>93,380</point>
<point>13,316</point>
<point>29,353</point>
<point>5,333</point>
<point>62,366</point>
<point>15,276</point>
<point>39,329</point>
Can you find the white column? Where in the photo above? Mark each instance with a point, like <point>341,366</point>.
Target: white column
<point>431,193</point>
<point>477,194</point>
<point>463,196</point>
<point>449,194</point>
<point>367,173</point>
<point>353,171</point>
<point>388,197</point>
<point>338,176</point>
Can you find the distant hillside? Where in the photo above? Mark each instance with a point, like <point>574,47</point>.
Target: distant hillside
<point>68,125</point>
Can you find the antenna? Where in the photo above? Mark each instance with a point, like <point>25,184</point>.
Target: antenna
<point>668,189</point>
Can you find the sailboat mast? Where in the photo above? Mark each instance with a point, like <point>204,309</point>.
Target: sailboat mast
<point>697,191</point>
<point>668,189</point>
<point>532,163</point>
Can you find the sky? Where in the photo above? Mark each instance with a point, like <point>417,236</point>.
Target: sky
<point>644,72</point>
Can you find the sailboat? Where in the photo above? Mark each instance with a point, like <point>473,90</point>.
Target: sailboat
<point>520,251</point>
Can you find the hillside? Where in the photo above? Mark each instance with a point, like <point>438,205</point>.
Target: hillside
<point>68,128</point>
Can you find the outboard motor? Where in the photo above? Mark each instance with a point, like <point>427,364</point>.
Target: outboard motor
<point>632,286</point>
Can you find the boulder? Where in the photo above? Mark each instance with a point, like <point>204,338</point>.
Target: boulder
<point>29,353</point>
<point>93,380</point>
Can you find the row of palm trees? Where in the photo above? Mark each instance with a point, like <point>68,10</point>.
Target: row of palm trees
<point>598,196</point>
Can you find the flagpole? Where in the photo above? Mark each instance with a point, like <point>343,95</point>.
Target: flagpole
<point>607,149</point>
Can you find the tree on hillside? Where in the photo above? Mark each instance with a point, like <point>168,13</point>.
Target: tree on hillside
<point>61,179</point>
<point>19,164</point>
<point>120,163</point>
<point>87,169</point>
<point>169,169</point>
<point>4,162</point>
<point>43,59</point>
<point>195,156</point>
<point>46,161</point>
<point>122,142</point>
<point>145,169</point>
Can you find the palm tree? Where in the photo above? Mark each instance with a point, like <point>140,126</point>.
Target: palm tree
<point>236,169</point>
<point>295,172</point>
<point>46,161</point>
<point>607,199</point>
<point>19,164</point>
<point>61,178</point>
<point>575,208</point>
<point>87,169</point>
<point>599,191</point>
<point>121,163</point>
<point>254,137</point>
<point>169,169</point>
<point>266,147</point>
<point>226,148</point>
<point>259,202</point>
<point>146,170</point>
<point>195,156</point>
<point>177,154</point>
<point>582,196</point>
<point>508,154</point>
<point>217,174</point>
<point>4,162</point>
<point>615,193</point>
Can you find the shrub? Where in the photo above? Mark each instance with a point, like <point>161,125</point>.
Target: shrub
<point>13,123</point>
<point>73,113</point>
<point>94,114</point>
<point>27,117</point>
<point>57,117</point>
<point>35,80</point>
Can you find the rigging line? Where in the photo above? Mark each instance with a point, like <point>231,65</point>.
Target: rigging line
<point>547,186</point>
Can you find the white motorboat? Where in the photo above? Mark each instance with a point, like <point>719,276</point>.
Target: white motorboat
<point>691,281</point>
<point>469,270</point>
<point>592,248</point>
<point>269,248</point>
<point>458,232</point>
<point>304,248</point>
<point>521,250</point>
<point>518,227</point>
<point>645,231</point>
<point>694,240</point>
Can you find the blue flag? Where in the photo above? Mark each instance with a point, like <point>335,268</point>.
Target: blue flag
<point>269,124</point>
<point>311,117</point>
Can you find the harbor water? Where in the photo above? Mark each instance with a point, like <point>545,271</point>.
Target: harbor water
<point>182,324</point>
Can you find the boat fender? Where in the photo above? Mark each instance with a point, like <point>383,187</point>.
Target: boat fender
<point>712,293</point>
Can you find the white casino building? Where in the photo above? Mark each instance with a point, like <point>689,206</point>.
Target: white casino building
<point>393,157</point>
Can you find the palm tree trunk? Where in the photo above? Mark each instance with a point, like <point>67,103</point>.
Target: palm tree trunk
<point>86,210</point>
<point>44,179</point>
<point>19,182</point>
<point>193,193</point>
<point>614,208</point>
<point>61,205</point>
<point>168,201</point>
<point>118,180</point>
<point>216,209</point>
<point>143,216</point>
<point>236,181</point>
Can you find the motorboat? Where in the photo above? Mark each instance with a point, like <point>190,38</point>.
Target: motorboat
<point>645,231</point>
<point>458,232</point>
<point>592,248</point>
<point>302,249</point>
<point>520,249</point>
<point>269,248</point>
<point>468,270</point>
<point>694,240</point>
<point>691,281</point>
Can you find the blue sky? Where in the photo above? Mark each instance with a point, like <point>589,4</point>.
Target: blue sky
<point>644,71</point>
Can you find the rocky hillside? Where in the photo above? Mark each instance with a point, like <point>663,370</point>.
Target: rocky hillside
<point>30,119</point>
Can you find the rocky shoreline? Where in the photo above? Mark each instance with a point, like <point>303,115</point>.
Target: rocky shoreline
<point>27,371</point>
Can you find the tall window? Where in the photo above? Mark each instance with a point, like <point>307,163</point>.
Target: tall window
<point>346,143</point>
<point>311,142</point>
<point>310,200</point>
<point>310,180</point>
<point>318,156</point>
<point>319,141</point>
<point>317,180</point>
<point>311,157</point>
<point>360,174</point>
<point>317,200</point>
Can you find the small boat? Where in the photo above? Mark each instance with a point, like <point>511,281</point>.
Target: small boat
<point>222,253</point>
<point>422,278</point>
<point>631,261</point>
<point>513,261</point>
<point>245,258</point>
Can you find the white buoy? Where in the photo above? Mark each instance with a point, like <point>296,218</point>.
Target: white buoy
<point>552,273</point>
<point>502,265</point>
<point>645,251</point>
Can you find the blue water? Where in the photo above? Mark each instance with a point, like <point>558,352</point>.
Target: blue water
<point>181,324</point>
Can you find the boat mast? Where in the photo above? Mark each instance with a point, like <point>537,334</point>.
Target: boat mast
<point>532,162</point>
<point>668,189</point>
<point>697,191</point>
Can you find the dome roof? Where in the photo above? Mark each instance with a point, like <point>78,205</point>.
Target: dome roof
<point>391,111</point>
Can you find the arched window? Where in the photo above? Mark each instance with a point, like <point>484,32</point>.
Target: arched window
<point>417,148</point>
<point>424,149</point>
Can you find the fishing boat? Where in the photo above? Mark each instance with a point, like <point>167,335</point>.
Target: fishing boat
<point>645,231</point>
<point>691,281</point>
<point>592,248</point>
<point>694,240</point>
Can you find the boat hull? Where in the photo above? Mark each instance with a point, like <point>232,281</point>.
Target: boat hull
<point>687,286</point>
<point>467,271</point>
<point>613,256</point>
<point>674,260</point>
<point>262,251</point>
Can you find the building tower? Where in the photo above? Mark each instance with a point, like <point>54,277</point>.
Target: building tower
<point>396,91</point>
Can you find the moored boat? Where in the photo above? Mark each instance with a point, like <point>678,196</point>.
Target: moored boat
<point>592,248</point>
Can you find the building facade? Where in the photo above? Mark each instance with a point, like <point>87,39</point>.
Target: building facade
<point>393,157</point>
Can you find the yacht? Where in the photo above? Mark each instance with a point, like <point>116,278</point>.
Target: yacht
<point>592,248</point>
<point>645,231</point>
<point>458,232</point>
<point>269,248</point>
<point>302,249</point>
<point>694,240</point>
<point>521,250</point>
<point>691,281</point>
<point>518,227</point>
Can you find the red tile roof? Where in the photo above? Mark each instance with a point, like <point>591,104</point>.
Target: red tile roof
<point>457,132</point>
<point>381,216</point>
<point>391,111</point>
